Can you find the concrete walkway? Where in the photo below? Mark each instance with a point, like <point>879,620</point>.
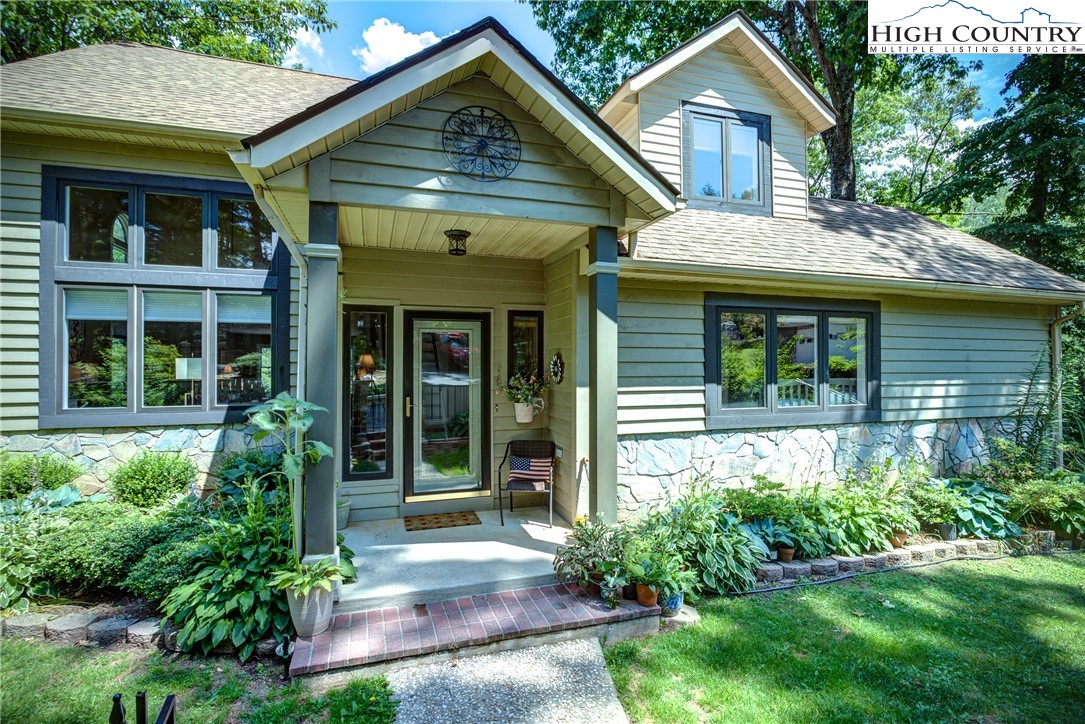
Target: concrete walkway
<point>562,682</point>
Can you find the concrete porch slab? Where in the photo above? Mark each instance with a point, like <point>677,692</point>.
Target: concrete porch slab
<point>396,567</point>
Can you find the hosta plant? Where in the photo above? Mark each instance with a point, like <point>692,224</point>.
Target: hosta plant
<point>984,513</point>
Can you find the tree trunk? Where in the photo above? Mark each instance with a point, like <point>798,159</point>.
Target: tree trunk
<point>838,147</point>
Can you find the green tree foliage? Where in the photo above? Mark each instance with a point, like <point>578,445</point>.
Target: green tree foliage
<point>1034,149</point>
<point>600,44</point>
<point>256,30</point>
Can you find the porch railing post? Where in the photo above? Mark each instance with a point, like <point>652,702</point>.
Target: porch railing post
<point>321,374</point>
<point>603,372</point>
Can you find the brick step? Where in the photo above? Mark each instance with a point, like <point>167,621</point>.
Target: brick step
<point>387,634</point>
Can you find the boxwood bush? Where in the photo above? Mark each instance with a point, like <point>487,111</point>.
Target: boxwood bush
<point>22,472</point>
<point>150,478</point>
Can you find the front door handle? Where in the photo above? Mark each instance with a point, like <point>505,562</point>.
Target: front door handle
<point>407,406</point>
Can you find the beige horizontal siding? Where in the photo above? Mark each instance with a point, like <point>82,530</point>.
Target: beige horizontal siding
<point>722,77</point>
<point>957,359</point>
<point>561,334</point>
<point>940,360</point>
<point>18,325</point>
<point>403,164</point>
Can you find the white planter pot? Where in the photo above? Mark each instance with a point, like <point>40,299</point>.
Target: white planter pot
<point>525,413</point>
<point>311,614</point>
<point>342,513</point>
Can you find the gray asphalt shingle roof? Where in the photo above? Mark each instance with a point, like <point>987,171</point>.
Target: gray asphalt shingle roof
<point>845,238</point>
<point>151,84</point>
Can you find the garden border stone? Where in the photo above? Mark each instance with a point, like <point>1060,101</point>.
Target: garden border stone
<point>875,561</point>
<point>26,626</point>
<point>965,547</point>
<point>795,569</point>
<point>146,634</point>
<point>899,557</point>
<point>943,550</point>
<point>923,553</point>
<point>850,563</point>
<point>109,630</point>
<point>70,628</point>
<point>987,547</point>
<point>770,573</point>
<point>824,566</point>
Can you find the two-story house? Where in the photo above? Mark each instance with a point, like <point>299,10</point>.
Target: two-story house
<point>185,235</point>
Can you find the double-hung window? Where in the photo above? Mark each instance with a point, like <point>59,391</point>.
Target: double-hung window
<point>782,361</point>
<point>163,301</point>
<point>726,159</point>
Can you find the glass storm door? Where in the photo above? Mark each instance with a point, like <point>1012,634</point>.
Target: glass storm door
<point>446,405</point>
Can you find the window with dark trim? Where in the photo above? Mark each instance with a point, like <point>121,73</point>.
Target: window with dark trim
<point>367,345</point>
<point>727,160</point>
<point>773,361</point>
<point>525,342</point>
<point>163,301</point>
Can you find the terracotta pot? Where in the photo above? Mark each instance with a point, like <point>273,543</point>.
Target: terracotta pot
<point>311,614</point>
<point>784,555</point>
<point>899,538</point>
<point>647,596</point>
<point>525,413</point>
<point>629,592</point>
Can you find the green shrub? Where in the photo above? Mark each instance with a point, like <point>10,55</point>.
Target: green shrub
<point>722,552</point>
<point>936,502</point>
<point>230,597</point>
<point>150,478</point>
<point>984,513</point>
<point>95,545</point>
<point>237,470</point>
<point>764,500</point>
<point>171,561</point>
<point>22,472</point>
<point>1056,501</point>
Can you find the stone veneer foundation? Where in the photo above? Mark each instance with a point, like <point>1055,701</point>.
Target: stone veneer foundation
<point>653,468</point>
<point>100,452</point>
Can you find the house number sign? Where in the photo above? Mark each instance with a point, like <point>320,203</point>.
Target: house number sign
<point>481,143</point>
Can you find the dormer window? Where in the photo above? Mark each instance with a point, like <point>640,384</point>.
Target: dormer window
<point>727,158</point>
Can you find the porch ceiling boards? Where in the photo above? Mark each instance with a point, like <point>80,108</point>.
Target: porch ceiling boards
<point>420,231</point>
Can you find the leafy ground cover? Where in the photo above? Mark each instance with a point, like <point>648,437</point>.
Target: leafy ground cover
<point>41,684</point>
<point>996,641</point>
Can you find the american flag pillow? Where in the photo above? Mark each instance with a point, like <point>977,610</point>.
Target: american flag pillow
<point>521,468</point>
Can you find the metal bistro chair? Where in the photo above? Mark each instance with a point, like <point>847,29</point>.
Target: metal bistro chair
<point>536,475</point>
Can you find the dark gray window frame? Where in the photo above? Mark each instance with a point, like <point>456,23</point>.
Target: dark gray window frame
<point>348,366</point>
<point>56,274</point>
<point>763,124</point>
<point>719,418</point>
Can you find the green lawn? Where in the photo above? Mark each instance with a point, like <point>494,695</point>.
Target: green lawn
<point>999,641</point>
<point>43,683</point>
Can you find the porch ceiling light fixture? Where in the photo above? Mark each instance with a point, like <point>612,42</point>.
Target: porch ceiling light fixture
<point>457,241</point>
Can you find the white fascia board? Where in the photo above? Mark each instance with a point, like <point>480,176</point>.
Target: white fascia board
<point>585,125</point>
<point>328,122</point>
<point>824,112</point>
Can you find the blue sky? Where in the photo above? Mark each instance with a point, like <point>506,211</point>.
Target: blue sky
<point>372,35</point>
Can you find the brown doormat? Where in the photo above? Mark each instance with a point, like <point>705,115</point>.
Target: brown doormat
<point>440,520</point>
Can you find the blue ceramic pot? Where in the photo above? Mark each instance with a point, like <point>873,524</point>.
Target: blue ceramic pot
<point>671,605</point>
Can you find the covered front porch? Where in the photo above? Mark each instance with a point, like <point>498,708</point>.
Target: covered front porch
<point>406,344</point>
<point>400,567</point>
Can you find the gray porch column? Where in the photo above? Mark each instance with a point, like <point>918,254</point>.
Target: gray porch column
<point>321,374</point>
<point>603,372</point>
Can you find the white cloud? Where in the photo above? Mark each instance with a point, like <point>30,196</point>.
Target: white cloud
<point>967,124</point>
<point>305,41</point>
<point>387,43</point>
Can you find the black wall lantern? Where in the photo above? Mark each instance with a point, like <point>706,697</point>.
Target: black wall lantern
<point>457,241</point>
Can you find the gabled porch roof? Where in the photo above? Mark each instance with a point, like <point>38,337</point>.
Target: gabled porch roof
<point>485,49</point>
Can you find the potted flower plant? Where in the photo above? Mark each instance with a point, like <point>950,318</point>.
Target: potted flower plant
<point>901,523</point>
<point>587,554</point>
<point>657,568</point>
<point>309,593</point>
<point>526,393</point>
<point>776,536</point>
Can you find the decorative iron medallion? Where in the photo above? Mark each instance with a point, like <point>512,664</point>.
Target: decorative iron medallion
<point>557,368</point>
<point>481,143</point>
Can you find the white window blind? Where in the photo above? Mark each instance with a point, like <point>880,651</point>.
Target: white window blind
<point>103,304</point>
<point>244,309</point>
<point>173,306</point>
